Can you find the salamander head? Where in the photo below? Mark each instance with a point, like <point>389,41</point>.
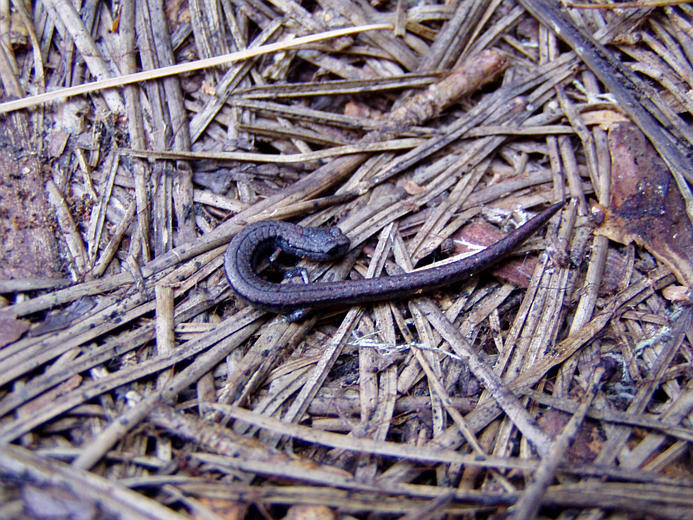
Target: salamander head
<point>322,243</point>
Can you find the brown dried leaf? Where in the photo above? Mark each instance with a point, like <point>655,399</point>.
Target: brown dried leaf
<point>481,234</point>
<point>677,293</point>
<point>360,110</point>
<point>11,329</point>
<point>412,188</point>
<point>645,205</point>
<point>586,445</point>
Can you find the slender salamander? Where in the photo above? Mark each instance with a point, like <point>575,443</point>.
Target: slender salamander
<point>296,300</point>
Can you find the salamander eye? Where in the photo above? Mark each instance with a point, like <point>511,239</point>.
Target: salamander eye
<point>338,249</point>
<point>340,244</point>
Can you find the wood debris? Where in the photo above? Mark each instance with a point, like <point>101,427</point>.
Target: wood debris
<point>140,137</point>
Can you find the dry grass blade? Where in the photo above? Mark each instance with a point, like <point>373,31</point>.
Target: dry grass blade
<point>173,70</point>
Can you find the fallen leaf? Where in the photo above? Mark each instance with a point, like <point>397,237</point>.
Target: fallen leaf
<point>645,206</point>
<point>480,234</point>
<point>11,329</point>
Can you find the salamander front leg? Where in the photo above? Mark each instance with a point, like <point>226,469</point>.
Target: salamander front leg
<point>299,314</point>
